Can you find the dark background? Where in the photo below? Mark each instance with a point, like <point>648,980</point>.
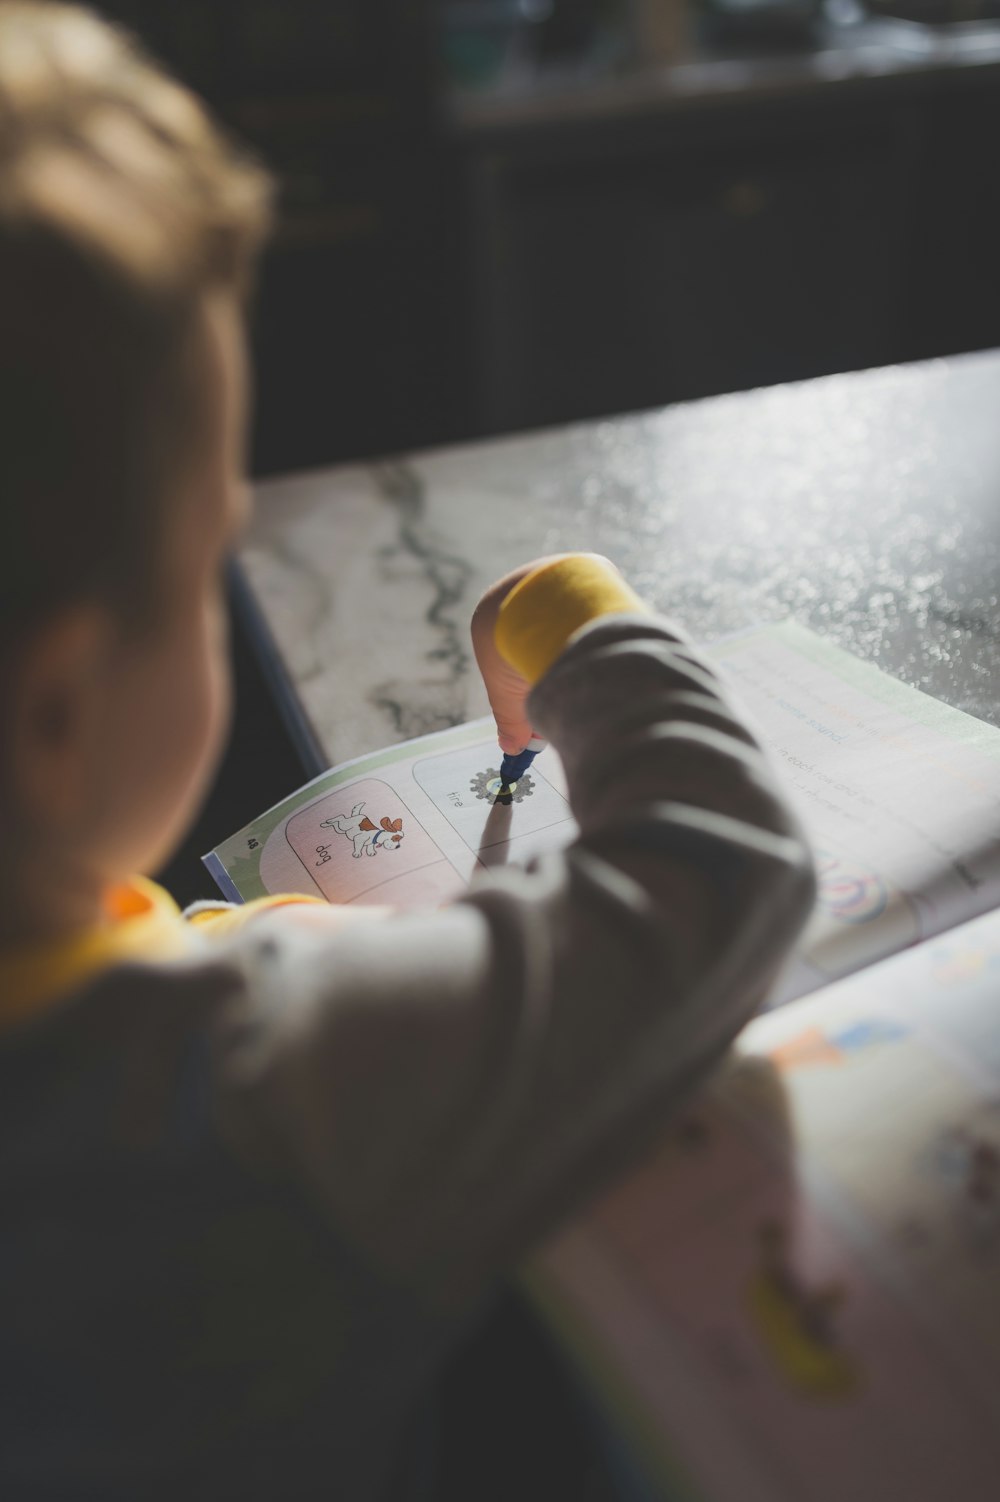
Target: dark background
<point>441,272</point>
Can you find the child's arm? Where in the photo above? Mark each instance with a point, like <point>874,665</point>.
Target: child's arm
<point>451,1084</point>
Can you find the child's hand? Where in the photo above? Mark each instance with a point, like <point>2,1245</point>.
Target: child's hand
<point>505,688</point>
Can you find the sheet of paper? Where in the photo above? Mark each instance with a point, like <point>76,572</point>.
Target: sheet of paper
<point>900,795</point>
<point>795,1298</point>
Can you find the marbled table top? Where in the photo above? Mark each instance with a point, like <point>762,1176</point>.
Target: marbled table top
<point>866,506</point>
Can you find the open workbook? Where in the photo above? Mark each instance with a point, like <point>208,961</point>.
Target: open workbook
<point>798,1295</point>
<point>899,793</point>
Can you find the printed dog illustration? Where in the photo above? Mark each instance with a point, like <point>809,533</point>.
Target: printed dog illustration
<point>367,838</point>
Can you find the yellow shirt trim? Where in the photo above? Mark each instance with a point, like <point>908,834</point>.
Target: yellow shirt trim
<point>223,919</point>
<point>142,922</point>
<point>538,617</point>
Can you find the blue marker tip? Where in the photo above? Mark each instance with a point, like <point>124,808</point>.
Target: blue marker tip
<point>514,767</point>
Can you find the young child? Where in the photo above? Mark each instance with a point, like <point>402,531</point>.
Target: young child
<point>256,1168</point>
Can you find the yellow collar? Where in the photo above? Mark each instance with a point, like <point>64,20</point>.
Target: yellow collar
<point>143,922</point>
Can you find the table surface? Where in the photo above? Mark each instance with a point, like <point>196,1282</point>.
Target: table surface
<point>864,506</point>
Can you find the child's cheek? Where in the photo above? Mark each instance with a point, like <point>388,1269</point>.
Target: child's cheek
<point>219,684</point>
<point>205,692</point>
<point>184,725</point>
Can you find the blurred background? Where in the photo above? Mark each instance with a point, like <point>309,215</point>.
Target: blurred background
<point>498,214</point>
<point>501,214</point>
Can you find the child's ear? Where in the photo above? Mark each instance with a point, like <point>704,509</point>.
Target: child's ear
<point>56,716</point>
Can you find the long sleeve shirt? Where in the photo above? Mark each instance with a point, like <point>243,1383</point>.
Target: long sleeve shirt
<point>252,1187</point>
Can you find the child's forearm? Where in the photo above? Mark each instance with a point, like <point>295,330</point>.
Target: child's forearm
<point>453,1083</point>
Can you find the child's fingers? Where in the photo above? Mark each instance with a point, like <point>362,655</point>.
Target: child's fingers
<point>505,689</point>
<point>507,694</point>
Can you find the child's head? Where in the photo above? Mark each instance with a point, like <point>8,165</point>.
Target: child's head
<point>128,230</point>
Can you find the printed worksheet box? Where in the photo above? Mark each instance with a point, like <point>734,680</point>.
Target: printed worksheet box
<point>465,786</point>
<point>359,839</point>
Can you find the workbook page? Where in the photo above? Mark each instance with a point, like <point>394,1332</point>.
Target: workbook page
<point>899,794</point>
<point>405,826</point>
<point>796,1298</point>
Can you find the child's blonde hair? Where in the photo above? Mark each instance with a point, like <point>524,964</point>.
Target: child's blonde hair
<point>121,205</point>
